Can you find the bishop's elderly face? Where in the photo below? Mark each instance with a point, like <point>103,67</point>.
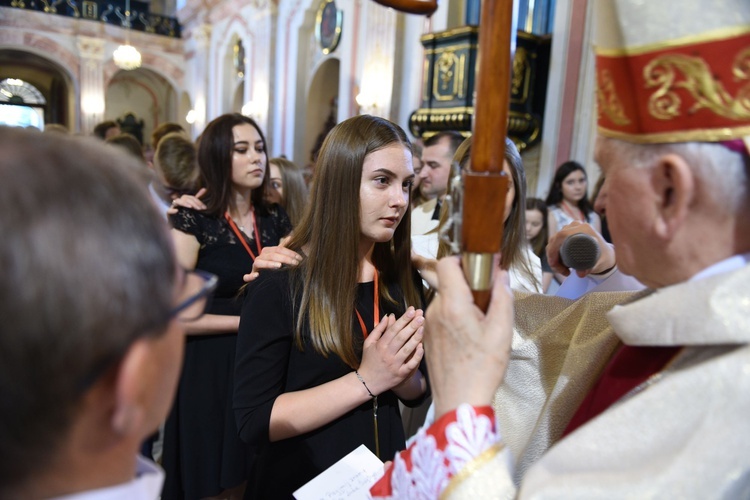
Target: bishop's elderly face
<point>628,201</point>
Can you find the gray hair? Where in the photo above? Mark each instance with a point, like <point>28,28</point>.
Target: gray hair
<point>87,269</point>
<point>723,173</point>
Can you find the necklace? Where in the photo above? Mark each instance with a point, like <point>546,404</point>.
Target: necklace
<point>241,236</point>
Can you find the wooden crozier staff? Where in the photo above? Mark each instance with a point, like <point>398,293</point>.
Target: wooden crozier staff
<point>485,185</point>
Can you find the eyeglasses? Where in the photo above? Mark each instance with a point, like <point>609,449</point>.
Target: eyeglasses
<point>197,293</point>
<point>195,298</point>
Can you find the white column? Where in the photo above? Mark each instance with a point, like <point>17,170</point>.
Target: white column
<point>377,65</point>
<point>201,75</point>
<point>91,78</point>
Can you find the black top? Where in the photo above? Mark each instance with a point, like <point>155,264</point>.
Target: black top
<point>221,253</point>
<point>202,453</point>
<point>269,364</point>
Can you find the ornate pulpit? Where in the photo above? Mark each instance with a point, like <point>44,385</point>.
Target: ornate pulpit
<point>449,79</point>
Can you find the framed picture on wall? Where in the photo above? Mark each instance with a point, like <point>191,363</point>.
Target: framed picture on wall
<point>328,26</point>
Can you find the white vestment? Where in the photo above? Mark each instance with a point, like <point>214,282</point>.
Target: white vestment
<point>683,434</point>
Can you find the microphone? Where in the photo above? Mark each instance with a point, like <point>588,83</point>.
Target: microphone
<point>580,252</point>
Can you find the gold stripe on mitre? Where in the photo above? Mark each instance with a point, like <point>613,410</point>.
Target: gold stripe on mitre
<point>695,88</point>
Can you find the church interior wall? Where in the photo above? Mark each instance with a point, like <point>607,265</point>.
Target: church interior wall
<point>379,53</point>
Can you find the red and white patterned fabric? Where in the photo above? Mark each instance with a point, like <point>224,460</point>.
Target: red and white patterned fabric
<point>424,470</point>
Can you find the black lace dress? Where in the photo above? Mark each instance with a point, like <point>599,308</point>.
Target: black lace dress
<point>203,454</point>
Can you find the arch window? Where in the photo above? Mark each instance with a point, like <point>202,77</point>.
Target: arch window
<point>21,104</point>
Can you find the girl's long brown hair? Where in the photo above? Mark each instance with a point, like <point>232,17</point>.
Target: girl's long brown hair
<point>514,230</point>
<point>539,242</point>
<point>330,233</point>
<point>296,191</point>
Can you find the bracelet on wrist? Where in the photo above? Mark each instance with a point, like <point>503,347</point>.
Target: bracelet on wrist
<point>363,383</point>
<point>374,413</point>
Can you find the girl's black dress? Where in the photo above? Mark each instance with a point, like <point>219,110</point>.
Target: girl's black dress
<point>269,363</point>
<point>202,453</point>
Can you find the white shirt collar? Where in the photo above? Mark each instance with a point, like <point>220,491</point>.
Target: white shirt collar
<point>146,485</point>
<point>732,263</point>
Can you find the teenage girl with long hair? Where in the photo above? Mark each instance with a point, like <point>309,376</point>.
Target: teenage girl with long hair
<point>203,456</point>
<point>328,347</point>
<point>287,187</point>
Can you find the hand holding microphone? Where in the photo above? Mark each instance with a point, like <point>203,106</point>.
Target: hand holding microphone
<point>577,246</point>
<point>580,251</point>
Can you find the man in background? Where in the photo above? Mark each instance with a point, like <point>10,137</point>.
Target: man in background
<point>437,157</point>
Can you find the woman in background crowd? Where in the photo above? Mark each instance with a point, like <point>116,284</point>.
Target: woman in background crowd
<point>287,187</point>
<point>203,456</point>
<point>568,201</point>
<point>536,234</point>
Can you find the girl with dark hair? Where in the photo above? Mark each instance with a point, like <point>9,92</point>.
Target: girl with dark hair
<point>568,200</point>
<point>536,234</point>
<point>203,456</point>
<point>327,348</point>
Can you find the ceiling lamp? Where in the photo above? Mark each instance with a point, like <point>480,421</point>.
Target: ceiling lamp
<point>126,56</point>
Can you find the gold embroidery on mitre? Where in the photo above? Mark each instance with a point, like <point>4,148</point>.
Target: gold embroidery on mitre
<point>741,65</point>
<point>741,71</point>
<point>609,102</point>
<point>665,72</point>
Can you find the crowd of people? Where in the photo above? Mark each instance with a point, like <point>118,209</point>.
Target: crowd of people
<point>209,310</point>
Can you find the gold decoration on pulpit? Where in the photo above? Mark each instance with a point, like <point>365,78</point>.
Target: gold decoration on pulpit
<point>448,80</point>
<point>519,84</point>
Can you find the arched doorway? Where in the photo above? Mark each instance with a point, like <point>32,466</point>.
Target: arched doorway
<point>321,110</point>
<point>144,97</point>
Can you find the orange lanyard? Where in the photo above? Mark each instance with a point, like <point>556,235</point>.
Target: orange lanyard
<point>241,236</point>
<point>568,211</point>
<point>375,308</point>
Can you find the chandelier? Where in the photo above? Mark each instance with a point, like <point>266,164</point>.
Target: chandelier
<point>126,56</point>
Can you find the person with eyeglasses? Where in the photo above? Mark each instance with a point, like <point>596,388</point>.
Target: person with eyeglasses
<point>93,310</point>
<point>202,453</point>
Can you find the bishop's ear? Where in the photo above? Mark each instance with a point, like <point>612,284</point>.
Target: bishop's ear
<point>674,185</point>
